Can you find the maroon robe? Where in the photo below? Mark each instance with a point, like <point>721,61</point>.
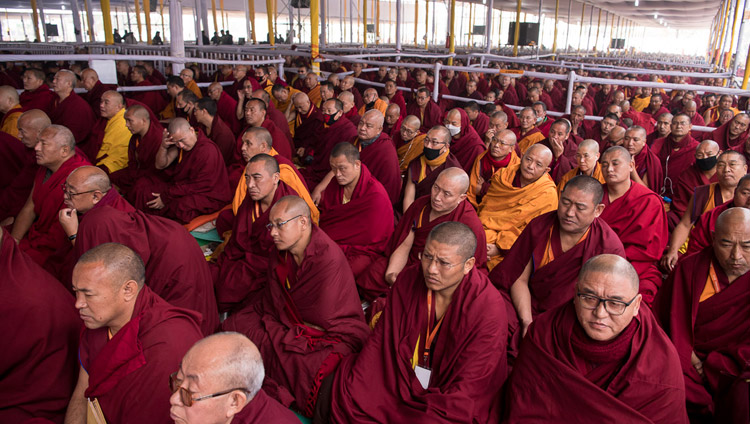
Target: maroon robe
<point>467,358</point>
<point>688,181</point>
<point>567,160</point>
<point>679,161</point>
<point>46,235</point>
<point>75,114</point>
<point>226,108</point>
<point>392,131</point>
<point>320,291</point>
<point>641,119</point>
<point>662,110</point>
<point>553,284</point>
<point>481,124</point>
<point>513,121</point>
<point>510,96</point>
<point>702,233</point>
<point>153,99</point>
<point>398,99</point>
<point>721,136</point>
<point>138,360</point>
<point>307,128</point>
<point>264,409</point>
<point>716,330</point>
<point>468,145</point>
<point>424,187</point>
<point>697,120</point>
<point>279,119</point>
<point>197,184</point>
<point>343,222</point>
<point>638,218</point>
<point>176,269</point>
<point>326,139</point>
<point>222,136</point>
<point>431,118</point>
<point>16,175</point>
<point>94,96</point>
<point>381,159</point>
<point>635,377</point>
<point>239,273</point>
<point>141,159</point>
<point>42,327</point>
<point>353,116</point>
<point>417,219</point>
<point>42,98</point>
<point>647,163</point>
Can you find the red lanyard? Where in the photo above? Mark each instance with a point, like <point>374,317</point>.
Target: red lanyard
<point>430,335</point>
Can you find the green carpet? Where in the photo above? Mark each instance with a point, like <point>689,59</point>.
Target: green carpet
<point>303,419</point>
<point>205,238</point>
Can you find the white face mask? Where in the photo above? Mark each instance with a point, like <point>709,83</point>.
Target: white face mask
<point>454,130</point>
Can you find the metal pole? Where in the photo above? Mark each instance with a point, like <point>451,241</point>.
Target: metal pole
<point>734,25</point>
<point>567,31</point>
<point>571,85</point>
<point>452,42</point>
<point>725,37</point>
<point>138,19</point>
<point>435,90</point>
<point>269,16</point>
<point>557,13</point>
<point>204,19</point>
<point>314,25</point>
<point>109,38</point>
<point>351,22</point>
<point>720,46</point>
<point>377,22</point>
<point>426,23</point>
<point>146,12</point>
<point>176,42</point>
<point>76,21</point>
<point>323,22</point>
<point>580,32</point>
<point>591,24</point>
<point>517,33</point>
<point>398,25</point>
<point>500,31</point>
<point>89,20</point>
<point>471,24</point>
<point>40,3</point>
<point>739,40</point>
<point>364,19</point>
<point>35,19</point>
<point>598,25</point>
<point>488,28</point>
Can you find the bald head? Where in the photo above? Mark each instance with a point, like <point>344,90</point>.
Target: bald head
<point>454,177</point>
<point>612,265</point>
<point>457,235</point>
<point>730,242</point>
<point>139,112</point>
<point>617,135</point>
<point>8,98</point>
<point>346,96</point>
<point>294,205</point>
<point>412,122</point>
<point>30,125</point>
<point>617,151</point>
<point>179,125</point>
<point>88,178</point>
<point>589,145</point>
<point>708,147</point>
<point>374,116</point>
<point>542,151</point>
<point>120,262</point>
<point>64,81</point>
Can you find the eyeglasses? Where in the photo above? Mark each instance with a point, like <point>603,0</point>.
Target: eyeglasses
<point>67,193</point>
<point>427,259</point>
<point>278,226</point>
<point>186,396</point>
<point>612,306</point>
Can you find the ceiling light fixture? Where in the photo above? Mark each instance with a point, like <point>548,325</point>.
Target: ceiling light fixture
<point>636,3</point>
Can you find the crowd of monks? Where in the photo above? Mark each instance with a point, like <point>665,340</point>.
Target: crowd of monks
<point>385,257</point>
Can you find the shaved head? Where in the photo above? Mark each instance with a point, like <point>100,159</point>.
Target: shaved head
<point>613,265</point>
<point>730,242</point>
<point>121,263</point>
<point>618,150</point>
<point>89,178</point>
<point>294,205</point>
<point>456,177</point>
<point>179,125</point>
<point>412,122</point>
<point>542,150</point>
<point>589,144</point>
<point>270,164</point>
<point>710,145</point>
<point>457,235</point>
<point>375,116</point>
<point>345,149</point>
<point>140,112</point>
<point>9,93</point>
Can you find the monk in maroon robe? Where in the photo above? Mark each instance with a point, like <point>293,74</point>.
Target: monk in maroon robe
<point>393,120</point>
<point>636,214</point>
<point>175,267</point>
<point>647,170</point>
<point>447,202</point>
<point>676,151</point>
<point>540,269</point>
<point>43,347</point>
<point>704,306</point>
<point>309,316</point>
<point>733,134</point>
<point>155,100</point>
<point>563,146</point>
<point>37,226</point>
<point>132,341</point>
<point>423,170</point>
<point>205,112</point>
<point>307,125</point>
<point>336,128</point>
<point>72,111</point>
<point>226,107</point>
<point>599,357</point>
<point>273,114</point>
<point>700,173</point>
<point>466,144</point>
<point>196,180</point>
<point>94,89</point>
<point>256,116</point>
<point>352,199</point>
<point>36,94</point>
<point>421,374</point>
<point>702,233</point>
<point>425,109</point>
<point>15,157</point>
<point>215,364</point>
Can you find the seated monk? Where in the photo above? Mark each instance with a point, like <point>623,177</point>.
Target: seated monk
<point>409,141</point>
<point>637,216</point>
<point>446,202</point>
<point>308,316</point>
<point>355,210</point>
<point>188,77</point>
<point>466,144</point>
<point>587,157</point>
<point>702,172</point>
<point>425,109</point>
<point>227,366</point>
<point>36,226</point>
<point>409,371</point>
<point>175,266</point>
<point>20,164</point>
<point>281,96</point>
<point>599,357</point>
<point>308,124</point>
<point>11,109</point>
<point>703,306</point>
<point>193,181</point>
<point>393,120</point>
<point>517,194</point>
<point>335,128</point>
<point>647,170</point>
<point>350,108</point>
<point>563,146</point>
<point>498,122</point>
<point>702,234</point>
<point>226,106</point>
<point>145,140</point>
<point>601,131</point>
<point>479,121</point>
<point>377,152</point>
<point>676,151</point>
<point>499,155</point>
<point>372,102</point>
<point>274,115</point>
<point>312,88</point>
<point>95,89</point>
<point>733,134</point>
<point>239,272</point>
<point>424,169</point>
<point>155,100</point>
<point>205,113</point>
<point>527,134</point>
<point>132,341</point>
<point>36,93</point>
<point>540,270</point>
<point>730,167</point>
<point>43,347</point>
<point>112,153</point>
<point>71,111</point>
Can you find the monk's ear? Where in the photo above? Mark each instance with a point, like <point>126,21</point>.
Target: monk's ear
<point>130,290</point>
<point>547,169</point>
<point>637,304</point>
<point>599,209</point>
<point>469,264</point>
<point>236,402</point>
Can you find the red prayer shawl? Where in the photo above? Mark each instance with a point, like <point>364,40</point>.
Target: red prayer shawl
<point>721,136</point>
<point>468,358</point>
<point>678,161</point>
<point>141,158</point>
<point>320,291</point>
<point>645,387</point>
<point>468,146</point>
<point>684,189</point>
<point>647,163</point>
<point>46,235</point>
<point>307,128</point>
<point>363,225</point>
<point>75,114</point>
<point>138,359</point>
<point>42,328</point>
<point>431,116</point>
<point>241,268</point>
<point>381,159</point>
<point>717,329</point>
<point>638,218</point>
<point>16,178</point>
<point>701,235</point>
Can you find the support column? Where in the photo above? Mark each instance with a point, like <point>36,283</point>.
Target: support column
<point>324,21</point>
<point>364,19</point>
<point>591,25</point>
<point>598,25</point>
<point>567,31</point>
<point>109,38</point>
<point>204,19</point>
<point>74,8</point>
<point>488,28</point>
<point>40,3</point>
<point>89,21</point>
<point>35,20</point>
<point>213,13</point>
<point>147,13</point>
<point>426,23</point>
<point>223,18</point>
<point>452,42</point>
<point>398,25</point>
<point>269,15</point>
<point>251,21</point>
<point>416,21</point>
<point>734,26</point>
<point>517,32</point>
<point>719,47</point>
<point>747,70</point>
<point>138,19</point>
<point>739,39</point>
<point>377,21</point>
<point>314,25</point>
<point>176,42</point>
<point>580,32</point>
<point>554,40</point>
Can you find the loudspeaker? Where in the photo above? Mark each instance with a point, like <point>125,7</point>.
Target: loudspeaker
<point>478,30</point>
<point>52,30</point>
<point>301,4</point>
<point>617,43</point>
<point>529,32</point>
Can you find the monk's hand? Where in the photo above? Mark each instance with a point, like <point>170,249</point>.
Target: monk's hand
<point>316,195</point>
<point>301,152</point>
<point>669,260</point>
<point>166,139</point>
<point>489,135</point>
<point>390,278</point>
<point>156,203</point>
<point>478,187</point>
<point>557,148</point>
<point>697,363</point>
<point>492,250</point>
<point>68,221</point>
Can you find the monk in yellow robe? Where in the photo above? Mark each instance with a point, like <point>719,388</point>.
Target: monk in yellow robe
<point>11,109</point>
<point>372,101</point>
<point>527,134</point>
<point>587,157</point>
<point>409,141</point>
<point>500,154</point>
<point>113,153</point>
<point>188,76</point>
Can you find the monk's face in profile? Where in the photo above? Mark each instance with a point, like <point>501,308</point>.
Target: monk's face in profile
<point>109,105</point>
<point>135,124</point>
<point>281,95</point>
<point>731,245</point>
<point>101,300</point>
<point>78,196</point>
<point>260,182</point>
<point>89,79</point>
<point>287,227</point>
<point>527,119</point>
<point>31,82</point>
<point>576,210</point>
<point>214,91</point>
<point>28,135</point>
<point>607,320</point>
<point>739,125</point>
<point>49,150</point>
<point>729,169</point>
<point>254,114</point>
<point>443,267</point>
<point>742,195</point>
<point>634,141</point>
<point>173,90</point>
<point>239,72</point>
<point>346,84</point>
<point>251,146</point>
<point>615,167</point>
<point>446,195</point>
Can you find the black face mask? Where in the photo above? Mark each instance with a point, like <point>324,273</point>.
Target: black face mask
<point>371,104</point>
<point>330,119</point>
<point>431,154</point>
<point>707,164</point>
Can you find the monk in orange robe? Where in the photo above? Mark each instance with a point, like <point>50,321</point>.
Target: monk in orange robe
<point>587,157</point>
<point>527,134</point>
<point>409,141</point>
<point>188,77</point>
<point>500,154</point>
<point>11,109</point>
